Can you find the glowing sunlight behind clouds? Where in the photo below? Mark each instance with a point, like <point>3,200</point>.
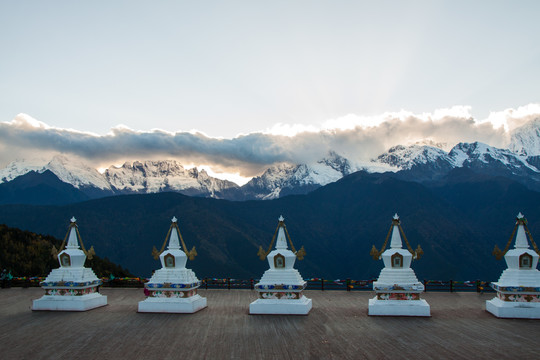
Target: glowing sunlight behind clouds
<point>358,138</point>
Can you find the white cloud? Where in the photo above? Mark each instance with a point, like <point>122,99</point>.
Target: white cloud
<point>24,121</point>
<point>511,119</point>
<point>359,138</point>
<point>290,130</point>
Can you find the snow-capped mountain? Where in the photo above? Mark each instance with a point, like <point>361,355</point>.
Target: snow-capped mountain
<point>285,179</point>
<point>462,155</point>
<point>476,154</point>
<point>525,140</point>
<point>18,168</point>
<point>69,171</point>
<point>424,162</point>
<point>77,173</point>
<point>169,175</point>
<point>407,157</point>
<point>427,163</point>
<point>138,177</point>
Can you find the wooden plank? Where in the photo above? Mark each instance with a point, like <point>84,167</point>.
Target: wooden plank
<point>338,327</point>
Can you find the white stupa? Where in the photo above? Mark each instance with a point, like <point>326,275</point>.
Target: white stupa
<point>397,289</point>
<point>281,286</point>
<point>173,288</point>
<point>518,288</point>
<point>72,287</point>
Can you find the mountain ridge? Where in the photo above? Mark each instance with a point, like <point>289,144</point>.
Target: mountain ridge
<point>424,162</point>
<point>457,224</point>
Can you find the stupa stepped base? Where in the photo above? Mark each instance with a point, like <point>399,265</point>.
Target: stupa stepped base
<point>69,303</point>
<point>300,306</point>
<point>289,276</point>
<point>397,276</point>
<point>80,275</point>
<point>187,305</point>
<point>513,309</point>
<point>509,277</point>
<point>398,307</point>
<point>165,275</point>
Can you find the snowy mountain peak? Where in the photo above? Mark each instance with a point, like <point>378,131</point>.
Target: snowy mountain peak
<point>422,162</point>
<point>406,157</point>
<point>18,168</point>
<point>466,153</point>
<point>68,170</point>
<point>282,179</point>
<point>463,152</point>
<point>76,173</point>
<point>338,163</point>
<point>525,140</point>
<point>167,175</point>
<point>474,154</point>
<point>135,177</point>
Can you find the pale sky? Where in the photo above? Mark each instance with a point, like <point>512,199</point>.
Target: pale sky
<point>226,68</point>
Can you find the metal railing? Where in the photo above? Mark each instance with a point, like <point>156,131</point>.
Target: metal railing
<point>312,284</point>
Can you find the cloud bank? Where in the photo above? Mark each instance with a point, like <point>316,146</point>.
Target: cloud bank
<point>358,138</point>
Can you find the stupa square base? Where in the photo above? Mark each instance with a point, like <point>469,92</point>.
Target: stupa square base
<point>513,309</point>
<point>188,305</point>
<point>398,307</point>
<point>69,303</point>
<point>300,306</point>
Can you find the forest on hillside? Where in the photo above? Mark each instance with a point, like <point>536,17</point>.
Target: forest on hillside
<point>24,253</point>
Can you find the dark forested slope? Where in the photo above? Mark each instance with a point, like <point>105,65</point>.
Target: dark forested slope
<point>457,222</point>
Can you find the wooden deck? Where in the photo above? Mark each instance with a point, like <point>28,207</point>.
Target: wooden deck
<point>338,327</point>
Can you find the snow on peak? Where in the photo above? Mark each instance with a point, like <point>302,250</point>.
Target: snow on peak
<point>337,162</point>
<point>405,157</point>
<point>76,173</point>
<point>68,170</point>
<point>145,177</point>
<point>476,151</point>
<point>525,140</point>
<point>156,176</point>
<point>18,168</point>
<point>287,176</point>
<point>466,153</point>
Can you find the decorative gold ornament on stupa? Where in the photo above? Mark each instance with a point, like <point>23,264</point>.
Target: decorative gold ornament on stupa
<point>281,223</point>
<point>376,254</point>
<point>520,220</point>
<point>73,224</point>
<point>174,224</point>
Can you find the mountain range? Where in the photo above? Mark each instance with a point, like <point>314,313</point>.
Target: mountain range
<point>22,177</point>
<point>457,203</point>
<point>457,222</point>
<point>425,163</point>
<point>62,181</point>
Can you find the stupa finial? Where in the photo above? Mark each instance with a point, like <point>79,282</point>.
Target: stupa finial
<point>521,238</point>
<point>73,238</point>
<point>175,234</point>
<point>396,241</point>
<point>520,219</point>
<point>282,242</point>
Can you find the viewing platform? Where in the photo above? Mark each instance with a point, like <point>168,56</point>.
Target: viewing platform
<point>338,327</point>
